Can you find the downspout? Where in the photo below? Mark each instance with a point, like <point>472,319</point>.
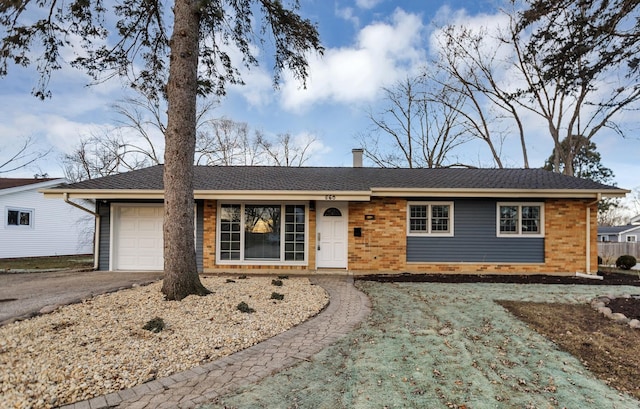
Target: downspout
<point>96,234</point>
<point>599,198</point>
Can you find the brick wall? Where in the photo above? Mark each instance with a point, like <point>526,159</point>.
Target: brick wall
<point>381,248</point>
<point>382,245</point>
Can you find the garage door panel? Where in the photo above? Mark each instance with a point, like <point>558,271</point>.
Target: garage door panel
<point>138,241</point>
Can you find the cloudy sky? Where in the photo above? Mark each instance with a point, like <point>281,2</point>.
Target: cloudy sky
<point>369,44</point>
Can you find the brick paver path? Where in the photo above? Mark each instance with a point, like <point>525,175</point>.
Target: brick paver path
<point>347,308</point>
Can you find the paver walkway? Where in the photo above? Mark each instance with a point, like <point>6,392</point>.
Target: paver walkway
<point>347,308</point>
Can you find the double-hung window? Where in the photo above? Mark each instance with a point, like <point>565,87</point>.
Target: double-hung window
<point>430,218</point>
<point>19,217</point>
<point>256,232</point>
<point>520,219</point>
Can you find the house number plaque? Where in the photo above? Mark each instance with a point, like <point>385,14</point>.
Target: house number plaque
<point>330,197</point>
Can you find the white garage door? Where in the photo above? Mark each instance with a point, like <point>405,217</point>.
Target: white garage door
<point>137,238</point>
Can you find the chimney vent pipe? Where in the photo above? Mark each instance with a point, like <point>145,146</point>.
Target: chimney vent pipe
<point>357,157</point>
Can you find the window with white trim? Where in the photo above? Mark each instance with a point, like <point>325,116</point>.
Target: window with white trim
<point>520,219</point>
<point>16,217</point>
<point>259,232</point>
<point>632,239</point>
<point>430,218</point>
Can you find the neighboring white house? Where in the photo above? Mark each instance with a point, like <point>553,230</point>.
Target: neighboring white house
<point>33,226</point>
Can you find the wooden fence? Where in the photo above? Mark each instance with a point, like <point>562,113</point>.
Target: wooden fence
<point>611,251</point>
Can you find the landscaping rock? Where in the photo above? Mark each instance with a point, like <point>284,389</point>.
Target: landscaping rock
<point>619,318</point>
<point>81,351</point>
<point>606,311</point>
<point>49,309</point>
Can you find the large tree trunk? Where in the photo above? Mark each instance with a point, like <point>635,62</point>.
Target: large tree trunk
<point>180,268</point>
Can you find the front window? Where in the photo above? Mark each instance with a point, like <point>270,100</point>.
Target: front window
<point>19,217</point>
<point>520,219</point>
<point>430,218</point>
<point>259,232</point>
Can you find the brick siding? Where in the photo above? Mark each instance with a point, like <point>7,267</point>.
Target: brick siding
<point>382,246</point>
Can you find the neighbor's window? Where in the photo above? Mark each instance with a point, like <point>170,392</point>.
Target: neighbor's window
<point>19,217</point>
<point>426,218</point>
<point>632,239</point>
<point>259,232</point>
<point>520,219</point>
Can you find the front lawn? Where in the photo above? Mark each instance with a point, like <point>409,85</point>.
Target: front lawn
<point>79,261</point>
<point>437,345</point>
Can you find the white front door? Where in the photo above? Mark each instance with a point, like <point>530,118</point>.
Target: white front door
<point>331,235</point>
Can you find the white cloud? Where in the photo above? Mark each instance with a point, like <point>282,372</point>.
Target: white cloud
<point>382,53</point>
<point>348,14</point>
<point>367,4</point>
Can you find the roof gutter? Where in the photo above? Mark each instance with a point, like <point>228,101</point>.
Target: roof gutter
<point>588,264</point>
<point>96,234</point>
<point>513,193</point>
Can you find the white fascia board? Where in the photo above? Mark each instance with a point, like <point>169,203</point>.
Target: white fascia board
<point>32,186</point>
<point>629,230</point>
<point>103,194</point>
<point>349,196</point>
<point>512,193</point>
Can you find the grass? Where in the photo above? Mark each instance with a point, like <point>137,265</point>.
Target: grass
<point>465,346</point>
<point>80,261</point>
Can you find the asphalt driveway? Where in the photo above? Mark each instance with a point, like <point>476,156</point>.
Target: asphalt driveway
<point>25,294</point>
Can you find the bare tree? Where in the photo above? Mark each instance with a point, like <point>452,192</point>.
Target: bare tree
<point>580,60</point>
<point>104,153</point>
<point>285,150</point>
<point>418,127</point>
<point>21,155</point>
<point>137,142</point>
<point>470,64</point>
<point>225,142</point>
<point>505,75</point>
<point>614,216</point>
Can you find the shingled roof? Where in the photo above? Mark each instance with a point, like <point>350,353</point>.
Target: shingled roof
<point>7,183</point>
<point>346,179</point>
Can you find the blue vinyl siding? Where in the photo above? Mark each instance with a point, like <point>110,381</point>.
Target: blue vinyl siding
<point>104,211</point>
<point>475,240</point>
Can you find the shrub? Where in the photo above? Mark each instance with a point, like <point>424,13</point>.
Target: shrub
<point>242,277</point>
<point>625,262</point>
<point>230,280</point>
<point>155,325</point>
<point>283,277</point>
<point>243,307</point>
<point>277,296</point>
<point>277,283</point>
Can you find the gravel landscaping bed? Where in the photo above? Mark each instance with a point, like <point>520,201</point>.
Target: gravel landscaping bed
<point>99,346</point>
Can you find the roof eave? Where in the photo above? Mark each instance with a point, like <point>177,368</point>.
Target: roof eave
<point>354,196</point>
<point>319,195</point>
<point>506,193</point>
<point>136,194</point>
